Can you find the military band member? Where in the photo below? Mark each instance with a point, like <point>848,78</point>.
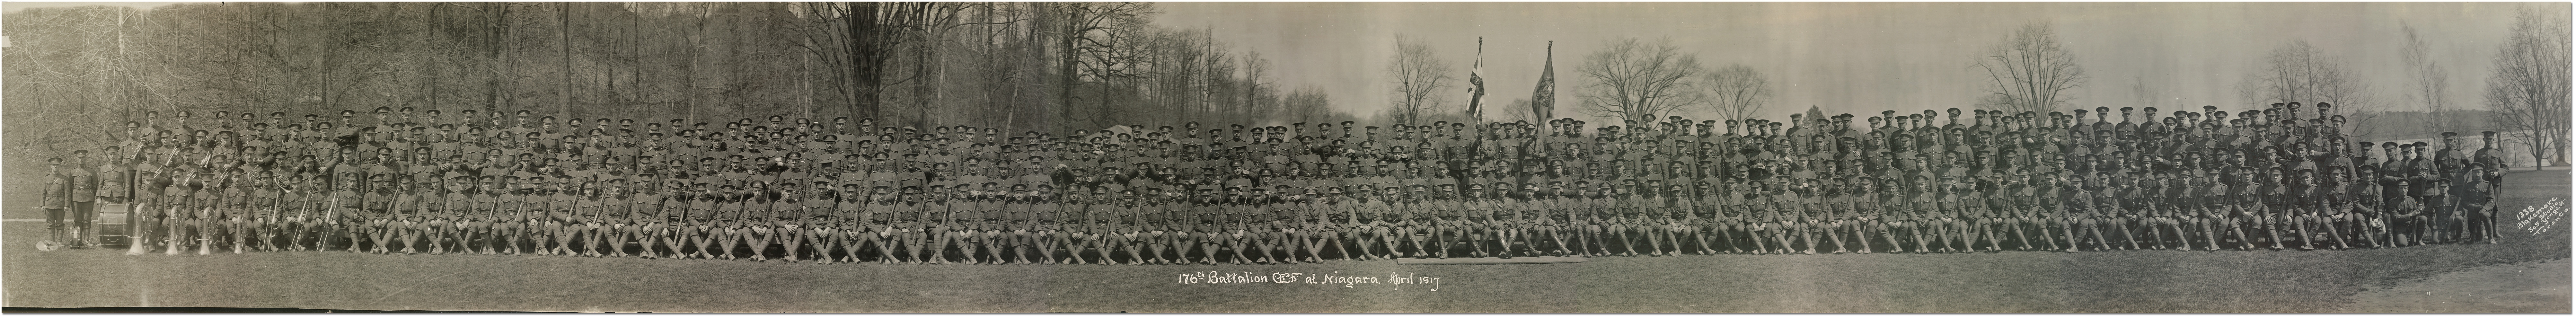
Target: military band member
<point>82,198</point>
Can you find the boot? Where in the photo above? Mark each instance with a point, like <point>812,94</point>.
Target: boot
<point>78,239</point>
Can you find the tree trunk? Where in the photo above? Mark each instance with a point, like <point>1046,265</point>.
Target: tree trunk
<point>500,28</point>
<point>430,70</point>
<point>866,70</point>
<point>924,51</point>
<point>563,22</point>
<point>1072,21</point>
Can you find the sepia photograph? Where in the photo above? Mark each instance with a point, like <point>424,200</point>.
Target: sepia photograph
<point>1285,157</point>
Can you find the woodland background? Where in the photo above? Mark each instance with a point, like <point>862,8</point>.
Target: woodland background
<point>77,71</point>
<point>72,73</point>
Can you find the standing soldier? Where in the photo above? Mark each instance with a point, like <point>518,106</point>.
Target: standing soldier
<point>2454,224</point>
<point>83,198</point>
<point>57,202</point>
<point>115,179</point>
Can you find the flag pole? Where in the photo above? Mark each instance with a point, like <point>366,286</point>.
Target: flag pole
<point>1477,105</point>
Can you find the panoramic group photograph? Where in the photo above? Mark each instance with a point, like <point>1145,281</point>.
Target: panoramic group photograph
<point>1285,157</point>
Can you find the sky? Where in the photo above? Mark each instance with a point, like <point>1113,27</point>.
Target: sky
<point>1861,57</point>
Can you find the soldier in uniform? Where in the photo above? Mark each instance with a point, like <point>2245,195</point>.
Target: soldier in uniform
<point>1679,217</point>
<point>490,227</point>
<point>83,198</point>
<point>1368,231</point>
<point>757,228</point>
<point>935,225</point>
<point>1323,231</point>
<point>263,206</point>
<point>560,227</point>
<point>2425,170</point>
<point>2084,213</point>
<point>2408,218</point>
<point>2488,167</point>
<point>723,232</point>
<point>410,225</point>
<point>510,196</point>
<point>788,220</point>
<point>2454,222</point>
<point>695,232</point>
<point>818,224</point>
<point>342,210</point>
<point>2197,203</point>
<point>1076,238</point>
<point>56,204</point>
<point>150,211</point>
<point>846,213</point>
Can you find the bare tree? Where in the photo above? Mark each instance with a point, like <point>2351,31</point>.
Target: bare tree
<point>1092,39</point>
<point>74,70</point>
<point>858,40</point>
<point>2030,71</point>
<point>75,83</point>
<point>2429,84</point>
<point>1738,92</point>
<point>1522,104</point>
<point>1256,71</point>
<point>1306,103</point>
<point>1418,75</point>
<point>2298,72</point>
<point>2528,89</point>
<point>1634,80</point>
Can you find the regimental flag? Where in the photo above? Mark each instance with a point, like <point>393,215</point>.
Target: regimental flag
<point>1543,101</point>
<point>1476,83</point>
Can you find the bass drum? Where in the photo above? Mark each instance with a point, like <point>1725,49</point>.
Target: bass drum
<point>114,224</point>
